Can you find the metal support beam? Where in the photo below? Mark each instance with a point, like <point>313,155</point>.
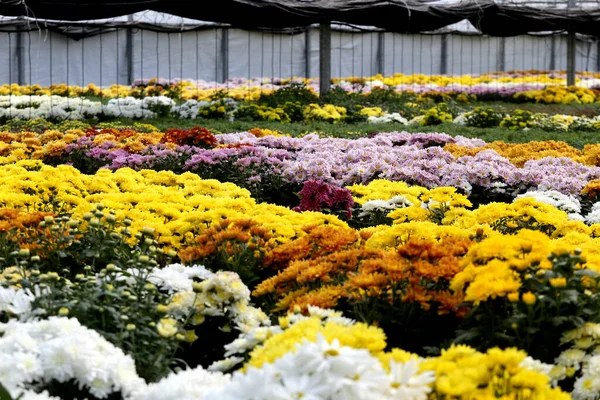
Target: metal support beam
<point>444,55</point>
<point>597,55</point>
<point>128,51</point>
<point>553,53</point>
<point>19,58</point>
<point>325,58</point>
<point>571,47</point>
<point>501,62</point>
<point>380,53</point>
<point>571,51</point>
<point>225,54</point>
<point>307,49</point>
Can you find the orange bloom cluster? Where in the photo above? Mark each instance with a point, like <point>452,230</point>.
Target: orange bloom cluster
<point>200,137</point>
<point>228,239</point>
<point>329,265</point>
<point>31,145</point>
<point>24,221</point>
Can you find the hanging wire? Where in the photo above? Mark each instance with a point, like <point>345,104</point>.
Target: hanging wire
<point>157,58</point>
<point>292,55</point>
<point>249,61</point>
<point>197,68</point>
<point>82,70</point>
<point>262,59</point>
<point>180,66</point>
<point>68,59</point>
<point>143,85</point>
<point>216,58</point>
<point>29,64</point>
<point>280,55</point>
<point>169,55</point>
<point>101,67</point>
<point>341,33</point>
<point>51,78</point>
<point>393,53</point>
<point>10,79</point>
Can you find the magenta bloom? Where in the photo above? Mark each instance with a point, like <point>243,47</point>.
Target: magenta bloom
<point>319,195</point>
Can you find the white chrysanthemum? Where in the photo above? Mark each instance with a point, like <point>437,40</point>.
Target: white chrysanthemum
<point>189,384</point>
<point>536,365</point>
<point>62,349</point>
<point>571,357</point>
<point>586,387</point>
<point>16,301</point>
<point>408,383</point>
<point>563,202</point>
<point>178,277</point>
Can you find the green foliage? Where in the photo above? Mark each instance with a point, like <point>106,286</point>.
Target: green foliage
<point>437,115</point>
<point>103,282</point>
<point>254,112</point>
<point>481,117</point>
<point>563,300</point>
<point>519,120</point>
<point>294,92</point>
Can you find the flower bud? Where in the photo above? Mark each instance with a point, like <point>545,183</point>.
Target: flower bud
<point>144,259</point>
<point>130,327</point>
<point>111,267</point>
<point>171,253</point>
<point>127,222</point>
<point>35,258</point>
<point>63,312</point>
<point>148,230</point>
<point>87,216</point>
<point>111,219</point>
<point>24,252</point>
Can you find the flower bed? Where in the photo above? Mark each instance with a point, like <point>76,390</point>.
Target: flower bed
<point>140,264</point>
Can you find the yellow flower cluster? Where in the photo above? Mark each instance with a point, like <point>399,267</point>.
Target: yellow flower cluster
<point>461,372</point>
<point>520,153</point>
<point>382,189</point>
<point>558,95</point>
<point>328,112</point>
<point>524,77</point>
<point>359,336</point>
<point>176,206</point>
<point>464,373</point>
<point>372,111</point>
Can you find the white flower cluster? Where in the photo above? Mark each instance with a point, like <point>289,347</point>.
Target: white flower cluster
<point>78,108</point>
<point>594,215</point>
<point>251,338</point>
<point>378,206</point>
<point>184,385</point>
<point>48,107</point>
<point>189,109</point>
<point>587,387</point>
<point>220,294</point>
<point>130,107</point>
<point>178,277</point>
<point>61,349</point>
<point>388,118</point>
<point>563,202</point>
<point>16,301</point>
<point>328,371</point>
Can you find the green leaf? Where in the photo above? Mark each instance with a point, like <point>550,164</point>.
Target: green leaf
<point>4,395</point>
